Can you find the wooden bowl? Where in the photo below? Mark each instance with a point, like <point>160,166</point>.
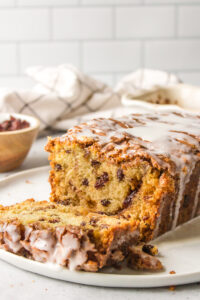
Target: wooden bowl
<point>15,145</point>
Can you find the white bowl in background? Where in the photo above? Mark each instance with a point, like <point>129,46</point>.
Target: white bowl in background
<point>179,96</point>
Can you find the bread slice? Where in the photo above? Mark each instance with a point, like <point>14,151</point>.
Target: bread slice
<point>54,233</point>
<point>70,237</point>
<point>142,167</point>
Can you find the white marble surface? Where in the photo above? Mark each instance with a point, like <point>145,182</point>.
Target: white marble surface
<point>17,284</point>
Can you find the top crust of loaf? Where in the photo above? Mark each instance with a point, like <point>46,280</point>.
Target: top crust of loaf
<point>170,140</point>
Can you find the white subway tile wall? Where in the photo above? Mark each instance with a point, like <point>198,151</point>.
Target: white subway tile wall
<point>188,25</point>
<point>82,23</point>
<point>112,56</point>
<point>173,55</point>
<point>8,59</point>
<point>48,54</point>
<point>6,3</point>
<point>145,22</point>
<point>24,24</point>
<point>104,38</point>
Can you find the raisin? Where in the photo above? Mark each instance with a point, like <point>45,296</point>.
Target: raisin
<point>120,174</point>
<point>129,199</point>
<point>105,202</point>
<point>24,253</point>
<point>93,221</point>
<point>95,163</point>
<point>64,202</point>
<point>145,218</point>
<point>147,248</point>
<point>83,223</point>
<point>68,151</point>
<point>41,219</point>
<point>101,180</point>
<point>85,182</point>
<point>58,167</point>
<point>91,203</point>
<point>53,221</point>
<point>150,249</point>
<point>91,256</point>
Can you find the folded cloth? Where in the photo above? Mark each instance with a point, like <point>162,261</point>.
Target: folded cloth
<point>63,96</point>
<point>144,81</point>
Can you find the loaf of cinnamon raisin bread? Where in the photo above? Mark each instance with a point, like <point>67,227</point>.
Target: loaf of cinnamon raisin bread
<point>142,167</point>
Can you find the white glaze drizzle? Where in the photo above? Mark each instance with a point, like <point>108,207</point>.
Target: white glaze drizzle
<point>45,247</point>
<point>60,251</point>
<point>12,237</point>
<point>178,200</point>
<point>42,240</point>
<point>196,200</point>
<point>184,179</point>
<point>154,131</point>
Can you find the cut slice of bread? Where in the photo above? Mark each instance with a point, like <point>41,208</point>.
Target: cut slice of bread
<point>71,237</point>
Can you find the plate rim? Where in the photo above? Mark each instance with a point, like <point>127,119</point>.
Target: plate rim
<point>21,173</point>
<point>98,279</point>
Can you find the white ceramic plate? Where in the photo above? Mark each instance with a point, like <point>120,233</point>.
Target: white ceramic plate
<point>179,251</point>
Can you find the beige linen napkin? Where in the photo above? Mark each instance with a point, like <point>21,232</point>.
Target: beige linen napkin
<point>63,96</point>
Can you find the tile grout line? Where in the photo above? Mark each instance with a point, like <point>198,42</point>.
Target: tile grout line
<point>79,5</point>
<point>100,40</point>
